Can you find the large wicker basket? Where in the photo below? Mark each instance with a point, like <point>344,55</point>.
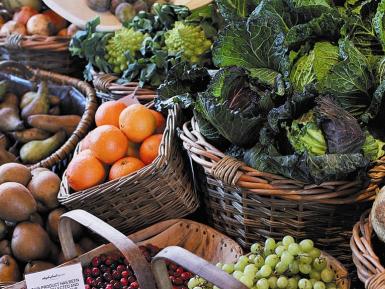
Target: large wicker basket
<point>369,268</point>
<point>195,237</point>
<point>58,160</point>
<point>248,204</point>
<point>162,190</point>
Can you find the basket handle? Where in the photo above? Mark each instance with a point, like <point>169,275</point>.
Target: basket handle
<point>129,249</point>
<point>193,264</point>
<point>21,68</point>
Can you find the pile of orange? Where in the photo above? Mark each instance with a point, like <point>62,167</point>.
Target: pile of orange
<point>126,139</point>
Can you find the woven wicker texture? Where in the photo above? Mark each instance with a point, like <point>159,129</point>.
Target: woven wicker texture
<point>59,159</point>
<point>45,52</point>
<point>249,205</point>
<point>160,191</point>
<point>369,268</point>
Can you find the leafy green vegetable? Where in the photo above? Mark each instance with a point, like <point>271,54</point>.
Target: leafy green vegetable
<point>305,135</point>
<point>378,23</point>
<point>235,9</point>
<point>373,148</point>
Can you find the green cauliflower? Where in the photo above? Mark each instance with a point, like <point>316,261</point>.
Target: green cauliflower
<point>188,39</point>
<point>373,148</point>
<point>124,40</point>
<point>305,136</point>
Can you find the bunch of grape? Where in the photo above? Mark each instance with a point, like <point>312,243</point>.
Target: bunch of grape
<point>285,264</point>
<point>125,41</point>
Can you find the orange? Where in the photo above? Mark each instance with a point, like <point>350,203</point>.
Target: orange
<point>133,150</point>
<point>148,151</point>
<point>108,143</point>
<point>85,143</point>
<point>108,113</point>
<point>160,121</point>
<point>124,167</point>
<point>85,171</point>
<point>137,122</point>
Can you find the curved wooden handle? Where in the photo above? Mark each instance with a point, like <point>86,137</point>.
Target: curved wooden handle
<point>129,249</point>
<point>21,68</point>
<point>193,264</point>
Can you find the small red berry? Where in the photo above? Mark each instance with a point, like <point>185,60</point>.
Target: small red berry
<point>134,285</point>
<point>95,272</point>
<point>108,261</point>
<point>87,271</point>
<point>109,286</point>
<point>95,261</point>
<point>178,281</point>
<point>186,275</point>
<point>131,279</point>
<point>180,270</point>
<point>124,282</point>
<point>117,285</point>
<point>89,280</point>
<point>120,268</point>
<point>173,266</point>
<point>116,275</point>
<point>172,279</point>
<point>87,286</point>
<point>126,274</point>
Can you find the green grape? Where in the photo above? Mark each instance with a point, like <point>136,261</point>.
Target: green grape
<point>292,283</point>
<point>327,275</point>
<point>319,263</point>
<point>251,258</point>
<point>315,275</point>
<point>198,287</point>
<point>294,267</point>
<point>237,275</point>
<point>215,287</point>
<point>251,268</point>
<point>279,250</point>
<point>287,257</point>
<point>331,286</point>
<point>272,282</point>
<point>193,282</point>
<point>219,265</point>
<point>287,240</point>
<point>304,284</point>
<point>294,249</point>
<point>259,261</point>
<point>315,253</point>
<point>306,245</point>
<point>267,252</point>
<point>247,281</point>
<point>281,267</point>
<point>265,271</point>
<point>240,266</point>
<point>228,268</point>
<point>244,260</point>
<point>263,284</point>
<point>304,268</point>
<point>272,260</point>
<point>319,285</point>
<point>312,281</point>
<point>270,244</point>
<point>305,258</point>
<point>279,244</point>
<point>282,282</point>
<point>256,248</point>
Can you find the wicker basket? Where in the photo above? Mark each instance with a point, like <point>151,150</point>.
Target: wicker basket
<point>219,278</point>
<point>59,159</point>
<point>248,204</point>
<point>369,268</point>
<point>162,190</point>
<point>195,237</point>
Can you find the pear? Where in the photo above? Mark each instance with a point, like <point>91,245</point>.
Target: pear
<point>10,120</point>
<point>9,271</point>
<point>39,104</point>
<point>35,151</point>
<point>10,100</point>
<point>30,134</point>
<point>44,187</point>
<point>6,157</point>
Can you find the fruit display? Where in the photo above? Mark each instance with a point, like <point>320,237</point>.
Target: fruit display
<point>29,18</point>
<point>32,126</point>
<point>29,219</point>
<point>284,264</point>
<point>114,272</point>
<point>126,139</point>
<point>150,42</point>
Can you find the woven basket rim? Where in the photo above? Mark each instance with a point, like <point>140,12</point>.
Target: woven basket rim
<point>35,42</point>
<point>165,150</point>
<point>237,174</point>
<point>369,268</point>
<point>86,119</point>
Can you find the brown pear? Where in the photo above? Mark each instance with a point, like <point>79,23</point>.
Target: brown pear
<point>4,141</point>
<point>10,100</point>
<point>39,104</point>
<point>10,120</point>
<point>53,224</point>
<point>45,187</point>
<point>37,266</point>
<point>30,242</point>
<point>14,172</point>
<point>9,270</point>
<point>6,157</point>
<point>37,219</point>
<point>16,202</point>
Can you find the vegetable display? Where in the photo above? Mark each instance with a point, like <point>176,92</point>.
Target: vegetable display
<point>150,43</point>
<point>299,90</point>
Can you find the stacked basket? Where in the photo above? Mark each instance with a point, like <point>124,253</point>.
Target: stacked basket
<point>248,204</point>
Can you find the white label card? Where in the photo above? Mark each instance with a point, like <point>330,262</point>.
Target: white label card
<point>67,277</point>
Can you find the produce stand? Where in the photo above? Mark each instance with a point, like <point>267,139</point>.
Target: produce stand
<point>260,123</point>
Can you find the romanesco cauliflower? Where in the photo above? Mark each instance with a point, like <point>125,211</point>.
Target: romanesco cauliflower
<point>191,40</point>
<point>124,40</point>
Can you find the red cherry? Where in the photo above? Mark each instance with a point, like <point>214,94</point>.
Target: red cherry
<point>173,266</point>
<point>180,270</point>
<point>89,280</point>
<point>126,274</point>
<point>178,281</point>
<point>87,286</point>
<point>124,282</point>
<point>176,274</point>
<point>134,285</point>
<point>107,276</point>
<point>120,268</point>
<point>131,279</point>
<point>87,271</point>
<point>172,279</point>
<point>186,275</point>
<point>117,285</point>
<point>109,286</point>
<point>108,261</point>
<point>95,261</point>
<point>95,272</point>
<point>116,275</point>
